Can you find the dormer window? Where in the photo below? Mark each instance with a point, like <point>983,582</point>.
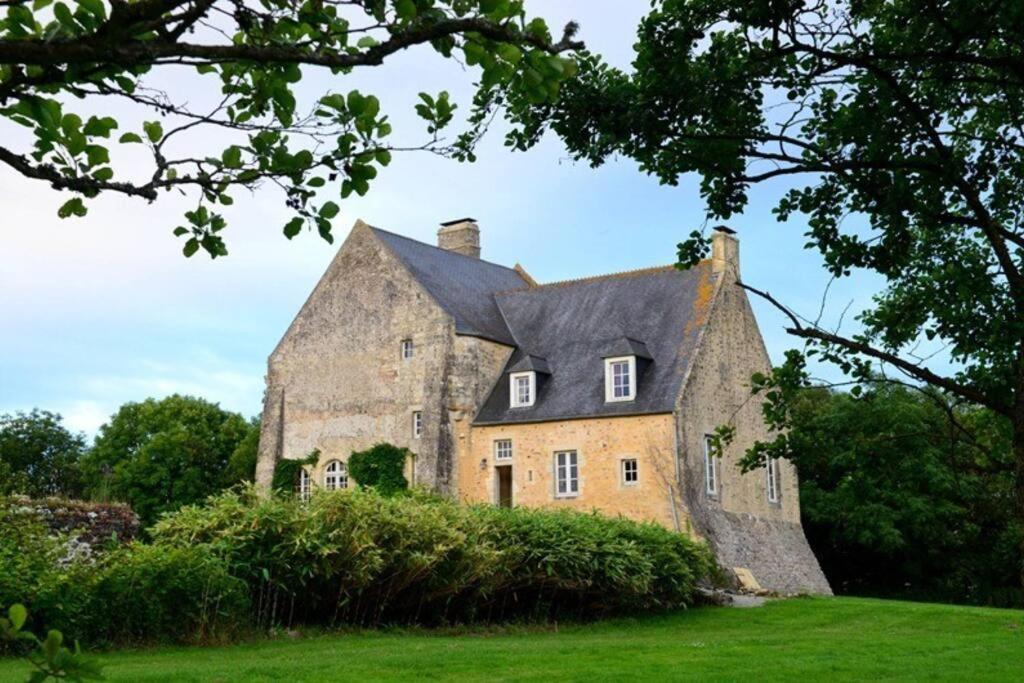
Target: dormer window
<point>620,378</point>
<point>522,389</point>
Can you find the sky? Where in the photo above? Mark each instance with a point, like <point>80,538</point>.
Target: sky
<point>102,310</point>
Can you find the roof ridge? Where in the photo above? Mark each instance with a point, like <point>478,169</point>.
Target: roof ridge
<point>447,251</point>
<point>636,272</point>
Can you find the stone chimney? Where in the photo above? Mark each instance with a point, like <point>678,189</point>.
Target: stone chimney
<point>725,252</point>
<point>461,236</point>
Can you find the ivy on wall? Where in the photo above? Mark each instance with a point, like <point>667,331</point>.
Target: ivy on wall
<point>286,472</point>
<point>380,467</point>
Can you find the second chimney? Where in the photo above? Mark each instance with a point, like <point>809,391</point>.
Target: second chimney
<point>461,236</point>
<point>725,252</point>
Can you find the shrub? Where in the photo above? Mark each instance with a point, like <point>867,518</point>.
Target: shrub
<point>145,594</point>
<point>358,557</point>
<point>380,467</point>
<point>27,553</point>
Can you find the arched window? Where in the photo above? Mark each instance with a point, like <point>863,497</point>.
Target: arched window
<point>335,475</point>
<point>305,484</point>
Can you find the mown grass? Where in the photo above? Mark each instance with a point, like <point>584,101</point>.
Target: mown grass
<point>802,639</point>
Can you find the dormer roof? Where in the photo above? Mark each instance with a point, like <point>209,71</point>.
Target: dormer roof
<point>530,363</point>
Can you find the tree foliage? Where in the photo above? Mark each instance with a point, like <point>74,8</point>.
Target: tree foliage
<point>39,456</point>
<point>898,500</point>
<point>61,60</point>
<point>158,455</point>
<point>380,467</point>
<point>908,117</point>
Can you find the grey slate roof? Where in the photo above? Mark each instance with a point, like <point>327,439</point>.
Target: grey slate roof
<point>462,285</point>
<point>528,362</point>
<point>575,325</point>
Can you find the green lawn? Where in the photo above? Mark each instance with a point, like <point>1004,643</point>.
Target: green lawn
<point>813,639</point>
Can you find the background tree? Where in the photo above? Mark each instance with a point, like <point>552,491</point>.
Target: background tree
<point>39,456</point>
<point>159,455</point>
<point>899,501</point>
<point>61,60</point>
<point>242,463</point>
<point>909,115</point>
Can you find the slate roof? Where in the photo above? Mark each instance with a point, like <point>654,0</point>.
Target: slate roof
<point>565,330</point>
<point>575,325</point>
<point>463,285</point>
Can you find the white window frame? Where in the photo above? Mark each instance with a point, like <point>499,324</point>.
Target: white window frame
<point>772,480</point>
<point>408,349</point>
<point>513,385</point>
<point>711,478</point>
<point>623,468</point>
<point>565,462</point>
<point>417,424</point>
<point>305,484</point>
<point>609,378</point>
<point>502,450</point>
<point>335,475</point>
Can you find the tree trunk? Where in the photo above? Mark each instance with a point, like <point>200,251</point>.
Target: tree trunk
<point>1018,482</point>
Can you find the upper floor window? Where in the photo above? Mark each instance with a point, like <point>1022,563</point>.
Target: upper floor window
<point>522,389</point>
<point>771,466</point>
<point>417,424</point>
<point>620,378</point>
<point>567,474</point>
<point>407,349</point>
<point>305,484</point>
<point>335,475</point>
<point>503,449</point>
<point>710,467</point>
<point>630,471</point>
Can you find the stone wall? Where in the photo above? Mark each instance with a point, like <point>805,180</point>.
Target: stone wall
<point>601,444</point>
<point>337,382</point>
<point>743,527</point>
<point>91,523</point>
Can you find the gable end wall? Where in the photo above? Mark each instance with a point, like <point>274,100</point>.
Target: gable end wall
<point>743,527</point>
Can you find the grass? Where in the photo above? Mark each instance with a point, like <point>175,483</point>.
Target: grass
<point>813,639</point>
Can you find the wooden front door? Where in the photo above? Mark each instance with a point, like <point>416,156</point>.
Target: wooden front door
<point>504,474</point>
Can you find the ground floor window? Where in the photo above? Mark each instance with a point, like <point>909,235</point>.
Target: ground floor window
<point>567,474</point>
<point>335,476</point>
<point>503,449</point>
<point>304,485</point>
<point>630,471</point>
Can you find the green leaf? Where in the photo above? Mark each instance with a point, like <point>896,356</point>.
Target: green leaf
<point>181,230</point>
<point>293,227</point>
<point>17,614</point>
<point>405,9</point>
<point>232,157</point>
<point>71,123</point>
<point>154,131</point>
<point>130,137</point>
<point>367,41</point>
<point>100,127</point>
<point>72,207</point>
<point>329,210</point>
<point>104,174</point>
<point>94,7</point>
<point>191,247</point>
<point>97,154</point>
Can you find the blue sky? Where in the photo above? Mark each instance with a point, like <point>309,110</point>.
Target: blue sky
<point>103,310</point>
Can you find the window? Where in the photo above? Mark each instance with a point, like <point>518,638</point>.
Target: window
<point>522,389</point>
<point>406,349</point>
<point>335,476</point>
<point>503,449</point>
<point>417,424</point>
<point>710,467</point>
<point>620,379</point>
<point>305,484</point>
<point>567,474</point>
<point>771,466</point>
<point>630,471</point>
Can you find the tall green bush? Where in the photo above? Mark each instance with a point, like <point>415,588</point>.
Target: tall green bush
<point>381,467</point>
<point>358,557</point>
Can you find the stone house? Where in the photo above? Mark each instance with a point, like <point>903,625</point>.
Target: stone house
<point>597,393</point>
